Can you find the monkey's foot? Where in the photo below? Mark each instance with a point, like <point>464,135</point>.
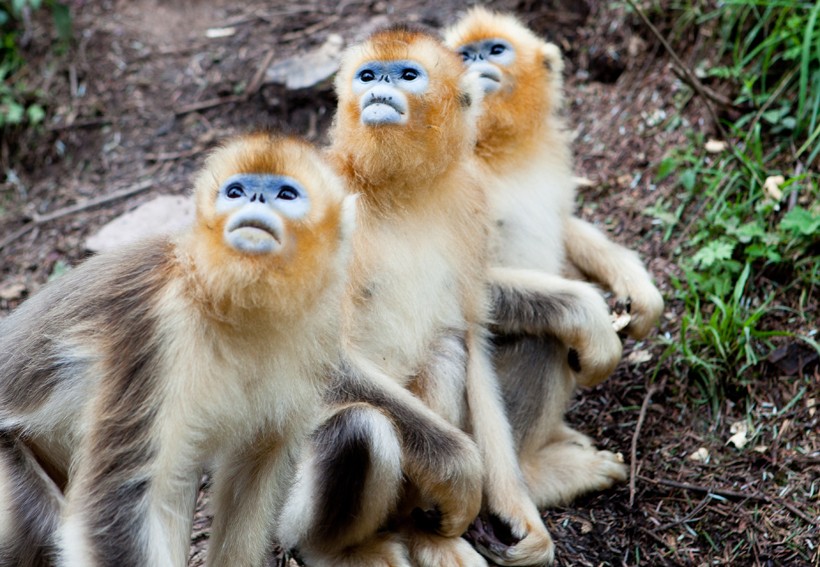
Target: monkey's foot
<point>496,539</point>
<point>560,472</point>
<point>384,551</point>
<point>430,550</point>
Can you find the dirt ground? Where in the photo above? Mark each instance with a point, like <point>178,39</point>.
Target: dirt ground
<point>144,91</point>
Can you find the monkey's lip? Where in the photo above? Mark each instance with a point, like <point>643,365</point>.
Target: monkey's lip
<point>379,110</point>
<point>254,234</point>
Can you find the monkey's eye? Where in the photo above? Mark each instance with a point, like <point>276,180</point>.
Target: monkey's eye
<point>287,193</point>
<point>409,74</point>
<point>465,56</point>
<point>235,191</point>
<point>497,49</point>
<point>367,75</point>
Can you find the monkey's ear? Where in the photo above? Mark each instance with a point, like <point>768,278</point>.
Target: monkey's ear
<point>552,58</point>
<point>347,219</point>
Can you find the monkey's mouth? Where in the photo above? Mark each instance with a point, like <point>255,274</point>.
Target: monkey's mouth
<point>254,233</point>
<point>383,110</point>
<point>489,76</point>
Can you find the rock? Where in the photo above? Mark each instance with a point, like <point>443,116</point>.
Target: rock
<point>309,69</point>
<point>163,215</point>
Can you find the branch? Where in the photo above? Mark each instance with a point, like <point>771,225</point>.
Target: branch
<point>38,220</point>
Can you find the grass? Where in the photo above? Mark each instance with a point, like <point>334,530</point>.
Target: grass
<point>745,225</point>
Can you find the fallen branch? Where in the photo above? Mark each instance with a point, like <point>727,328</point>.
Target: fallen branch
<point>38,220</point>
<point>692,79</point>
<point>734,495</point>
<point>633,460</point>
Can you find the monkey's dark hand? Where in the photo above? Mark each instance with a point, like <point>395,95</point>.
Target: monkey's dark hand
<point>491,533</point>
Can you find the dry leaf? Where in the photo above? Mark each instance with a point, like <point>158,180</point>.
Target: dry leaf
<point>583,182</point>
<point>715,146</point>
<point>586,526</point>
<point>811,403</point>
<point>214,33</point>
<point>700,456</point>
<point>639,356</point>
<point>772,186</point>
<point>761,448</point>
<point>739,429</point>
<point>12,291</point>
<point>620,320</point>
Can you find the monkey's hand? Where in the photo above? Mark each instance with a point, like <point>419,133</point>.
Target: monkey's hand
<point>442,461</point>
<point>618,269</point>
<point>534,303</point>
<point>644,305</point>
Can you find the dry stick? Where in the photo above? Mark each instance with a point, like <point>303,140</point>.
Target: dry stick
<point>733,494</point>
<point>255,85</point>
<point>634,448</point>
<point>38,220</point>
<point>694,81</point>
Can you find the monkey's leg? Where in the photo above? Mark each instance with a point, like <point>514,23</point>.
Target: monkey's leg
<point>529,302</point>
<point>438,458</point>
<point>441,385</point>
<point>249,484</point>
<point>617,268</point>
<point>132,494</point>
<point>507,501</point>
<point>30,507</point>
<point>558,462</point>
<point>347,485</point>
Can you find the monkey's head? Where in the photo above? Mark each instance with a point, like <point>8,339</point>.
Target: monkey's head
<point>270,214</point>
<point>406,104</point>
<point>519,72</point>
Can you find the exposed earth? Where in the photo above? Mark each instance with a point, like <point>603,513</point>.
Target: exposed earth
<point>147,87</point>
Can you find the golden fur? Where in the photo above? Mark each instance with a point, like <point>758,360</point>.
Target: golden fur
<point>417,301</point>
<point>135,370</point>
<point>525,157</point>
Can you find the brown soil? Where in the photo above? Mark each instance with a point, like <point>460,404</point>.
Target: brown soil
<point>122,106</point>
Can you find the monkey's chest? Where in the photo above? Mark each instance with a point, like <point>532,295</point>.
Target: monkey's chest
<point>407,293</point>
<point>528,225</point>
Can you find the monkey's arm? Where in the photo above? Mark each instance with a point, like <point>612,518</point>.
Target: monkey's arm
<point>617,268</point>
<point>524,540</point>
<point>437,457</point>
<point>535,303</point>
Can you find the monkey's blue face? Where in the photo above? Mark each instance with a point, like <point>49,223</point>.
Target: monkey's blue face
<point>486,58</point>
<point>383,87</point>
<point>257,207</point>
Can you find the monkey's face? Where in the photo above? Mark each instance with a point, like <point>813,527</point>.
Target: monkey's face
<point>383,88</point>
<point>256,207</point>
<point>489,58</point>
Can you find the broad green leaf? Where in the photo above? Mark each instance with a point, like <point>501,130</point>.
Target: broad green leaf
<point>801,221</point>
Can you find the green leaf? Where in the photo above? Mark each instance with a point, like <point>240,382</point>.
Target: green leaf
<point>14,113</point>
<point>666,167</point>
<point>688,179</point>
<point>62,20</point>
<point>35,113</point>
<point>4,17</point>
<point>749,231</point>
<point>714,252</point>
<point>801,221</point>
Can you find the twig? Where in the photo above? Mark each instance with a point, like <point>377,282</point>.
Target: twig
<point>256,82</point>
<point>171,156</point>
<point>210,103</point>
<point>714,96</point>
<point>90,123</point>
<point>693,80</point>
<point>38,220</point>
<point>633,462</point>
<point>253,87</point>
<point>733,494</point>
